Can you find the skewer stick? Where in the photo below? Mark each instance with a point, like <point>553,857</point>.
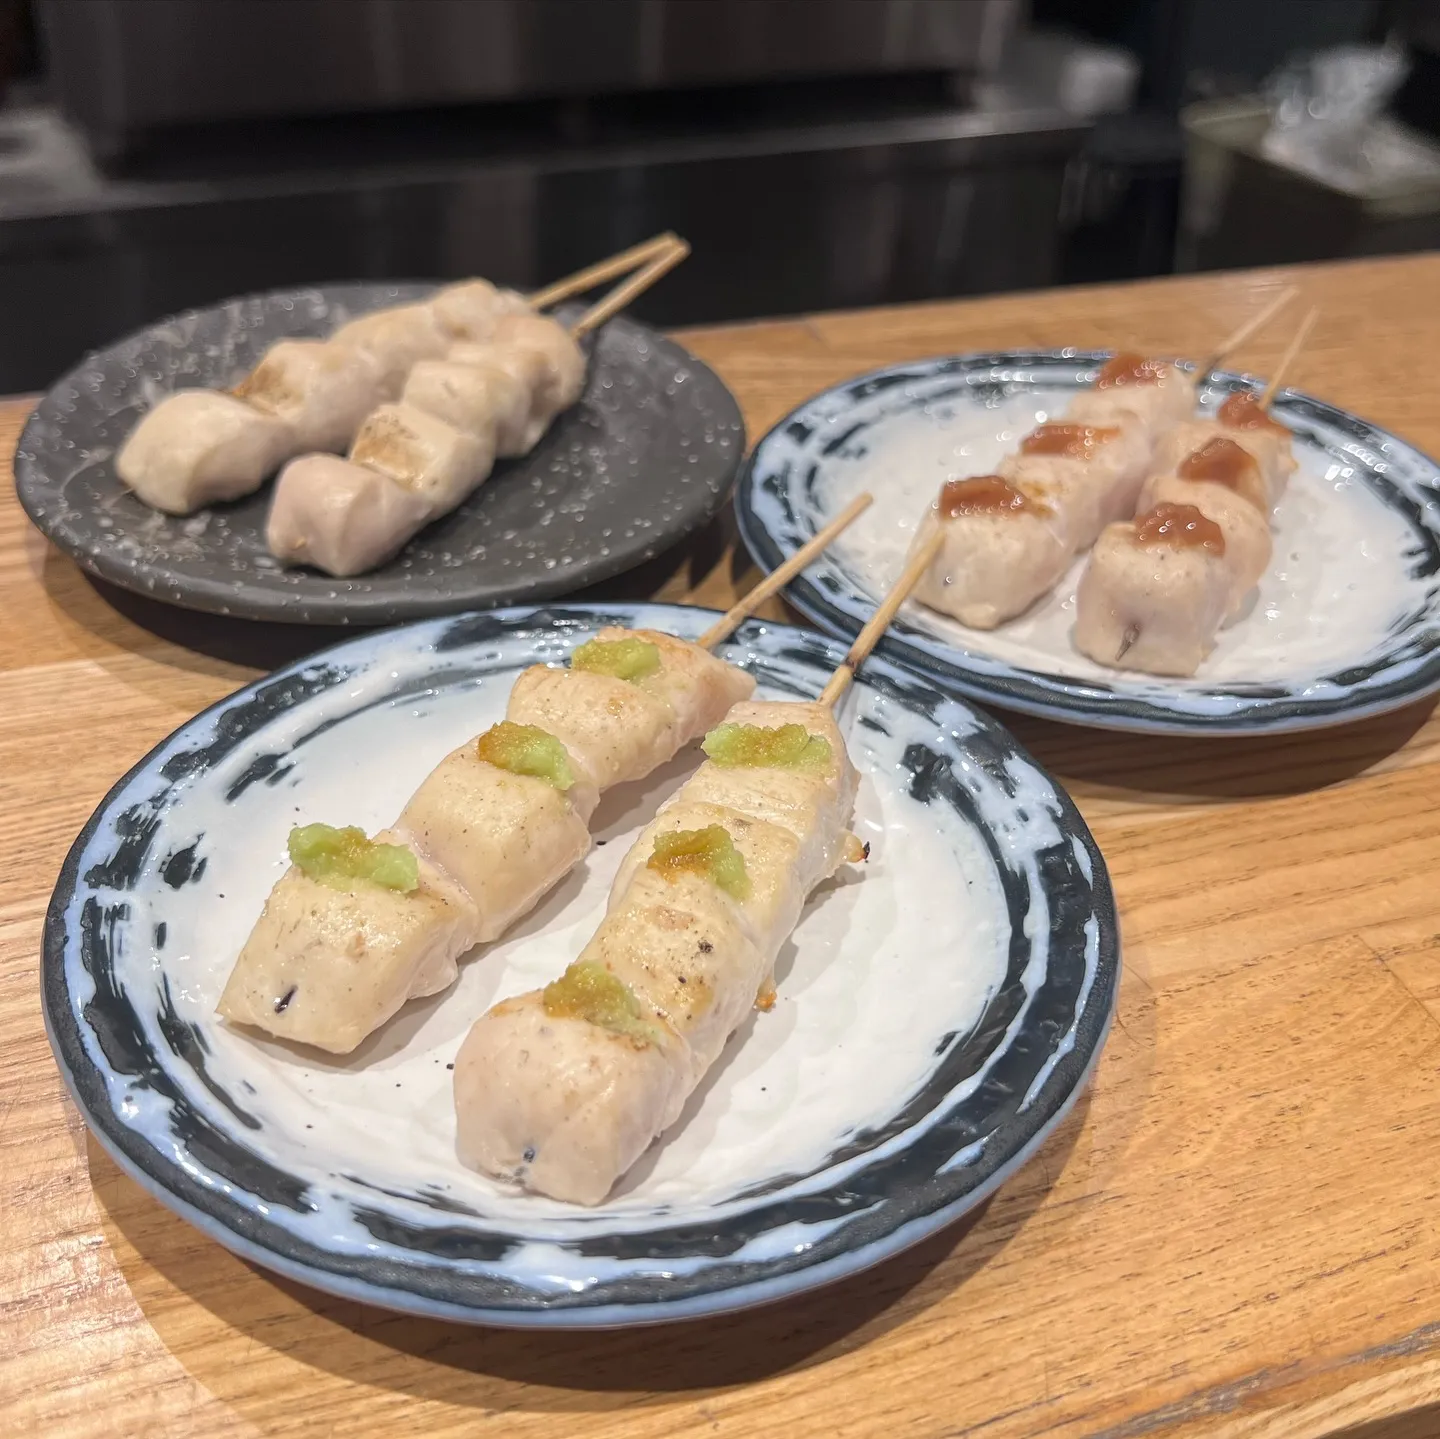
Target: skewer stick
<point>623,293</point>
<point>734,617</point>
<point>869,637</point>
<point>603,270</point>
<point>1253,325</point>
<point>1288,358</point>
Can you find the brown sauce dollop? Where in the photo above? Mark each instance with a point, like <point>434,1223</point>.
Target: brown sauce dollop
<point>1179,527</point>
<point>1222,462</point>
<point>1074,442</point>
<point>984,495</point>
<point>1243,412</point>
<point>1130,369</point>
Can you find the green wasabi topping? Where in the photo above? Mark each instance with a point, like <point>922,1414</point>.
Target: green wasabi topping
<point>630,659</point>
<point>709,852</point>
<point>340,857</point>
<point>526,749</point>
<point>590,992</point>
<point>791,746</point>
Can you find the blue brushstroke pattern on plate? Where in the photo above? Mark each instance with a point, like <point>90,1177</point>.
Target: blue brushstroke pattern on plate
<point>1346,623</point>
<point>938,1017</point>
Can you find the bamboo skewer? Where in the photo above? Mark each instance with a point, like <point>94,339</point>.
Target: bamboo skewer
<point>734,617</point>
<point>1288,358</point>
<point>623,293</point>
<point>869,637</point>
<point>1251,326</point>
<point>603,270</point>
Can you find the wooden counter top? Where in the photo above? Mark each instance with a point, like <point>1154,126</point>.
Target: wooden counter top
<point>1235,1232</point>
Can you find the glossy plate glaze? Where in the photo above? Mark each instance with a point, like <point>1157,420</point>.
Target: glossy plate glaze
<point>646,456</point>
<point>939,1008</point>
<point>1346,623</point>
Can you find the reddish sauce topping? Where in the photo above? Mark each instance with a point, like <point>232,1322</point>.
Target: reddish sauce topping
<point>1243,412</point>
<point>1181,527</point>
<point>984,495</point>
<point>1129,369</point>
<point>1075,442</point>
<point>1222,462</point>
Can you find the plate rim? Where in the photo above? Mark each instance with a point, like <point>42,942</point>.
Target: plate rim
<point>1042,694</point>
<point>259,604</point>
<point>1051,1102</point>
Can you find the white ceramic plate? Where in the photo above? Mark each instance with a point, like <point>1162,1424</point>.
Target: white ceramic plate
<point>937,1014</point>
<point>1347,620</point>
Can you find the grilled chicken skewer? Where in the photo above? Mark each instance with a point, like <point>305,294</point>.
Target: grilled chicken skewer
<point>562,1089</point>
<point>1157,589</point>
<point>1010,537</point>
<point>198,447</point>
<point>357,925</point>
<point>415,460</point>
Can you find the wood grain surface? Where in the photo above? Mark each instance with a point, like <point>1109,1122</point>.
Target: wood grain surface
<point>1235,1233</point>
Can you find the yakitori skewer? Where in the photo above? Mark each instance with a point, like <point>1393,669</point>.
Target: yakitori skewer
<point>562,1089</point>
<point>358,925</point>
<point>1011,536</point>
<point>416,459</point>
<point>1157,589</point>
<point>197,447</point>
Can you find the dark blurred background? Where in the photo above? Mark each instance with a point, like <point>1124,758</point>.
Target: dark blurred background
<point>156,154</point>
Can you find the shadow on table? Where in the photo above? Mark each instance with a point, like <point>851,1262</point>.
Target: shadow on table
<point>504,1369</point>
<point>103,609</point>
<point>1418,1424</point>
<point>1164,769</point>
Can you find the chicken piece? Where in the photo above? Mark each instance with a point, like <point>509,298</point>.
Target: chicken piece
<point>813,805</point>
<point>339,516</point>
<point>322,391</point>
<point>1154,393</point>
<point>1002,550</point>
<point>564,1089</point>
<point>612,729</point>
<point>425,454</point>
<point>530,370</point>
<point>327,966</point>
<point>1248,545</point>
<point>1088,474</point>
<point>1154,592</point>
<point>698,687</point>
<point>469,310</point>
<point>617,730</point>
<point>561,1105</point>
<point>564,359</point>
<point>1266,441</point>
<point>506,838</point>
<point>770,851</point>
<point>1220,461</point>
<point>395,338</point>
<point>200,447</point>
<point>481,399</point>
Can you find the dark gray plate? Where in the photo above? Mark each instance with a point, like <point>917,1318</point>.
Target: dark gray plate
<point>647,456</point>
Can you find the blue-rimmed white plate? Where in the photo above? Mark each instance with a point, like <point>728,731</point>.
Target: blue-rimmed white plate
<point>937,1013</point>
<point>1345,624</point>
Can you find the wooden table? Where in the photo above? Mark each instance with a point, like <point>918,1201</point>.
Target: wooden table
<point>1236,1232</point>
